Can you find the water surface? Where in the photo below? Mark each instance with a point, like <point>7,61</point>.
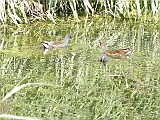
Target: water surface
<point>82,87</point>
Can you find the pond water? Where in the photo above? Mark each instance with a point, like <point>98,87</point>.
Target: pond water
<point>77,85</point>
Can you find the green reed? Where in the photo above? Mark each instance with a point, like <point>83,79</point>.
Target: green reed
<point>17,12</point>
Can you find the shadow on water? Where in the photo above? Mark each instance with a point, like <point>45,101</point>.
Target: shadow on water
<point>82,80</point>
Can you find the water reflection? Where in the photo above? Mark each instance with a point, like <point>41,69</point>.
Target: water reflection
<point>26,43</point>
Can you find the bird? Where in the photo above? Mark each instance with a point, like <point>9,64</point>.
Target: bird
<point>103,59</point>
<point>118,54</point>
<point>56,44</point>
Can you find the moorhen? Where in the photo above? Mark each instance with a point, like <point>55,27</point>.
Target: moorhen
<point>56,44</point>
<point>118,54</point>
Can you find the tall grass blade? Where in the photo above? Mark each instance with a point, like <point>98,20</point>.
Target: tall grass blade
<point>88,5</point>
<point>17,117</point>
<point>74,10</point>
<point>154,6</point>
<point>13,14</point>
<point>22,8</point>
<point>50,16</point>
<point>2,11</point>
<point>13,17</point>
<point>138,8</point>
<point>2,44</point>
<point>145,10</point>
<point>17,89</point>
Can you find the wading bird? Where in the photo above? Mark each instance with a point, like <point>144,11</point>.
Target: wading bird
<point>118,54</point>
<point>56,44</point>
